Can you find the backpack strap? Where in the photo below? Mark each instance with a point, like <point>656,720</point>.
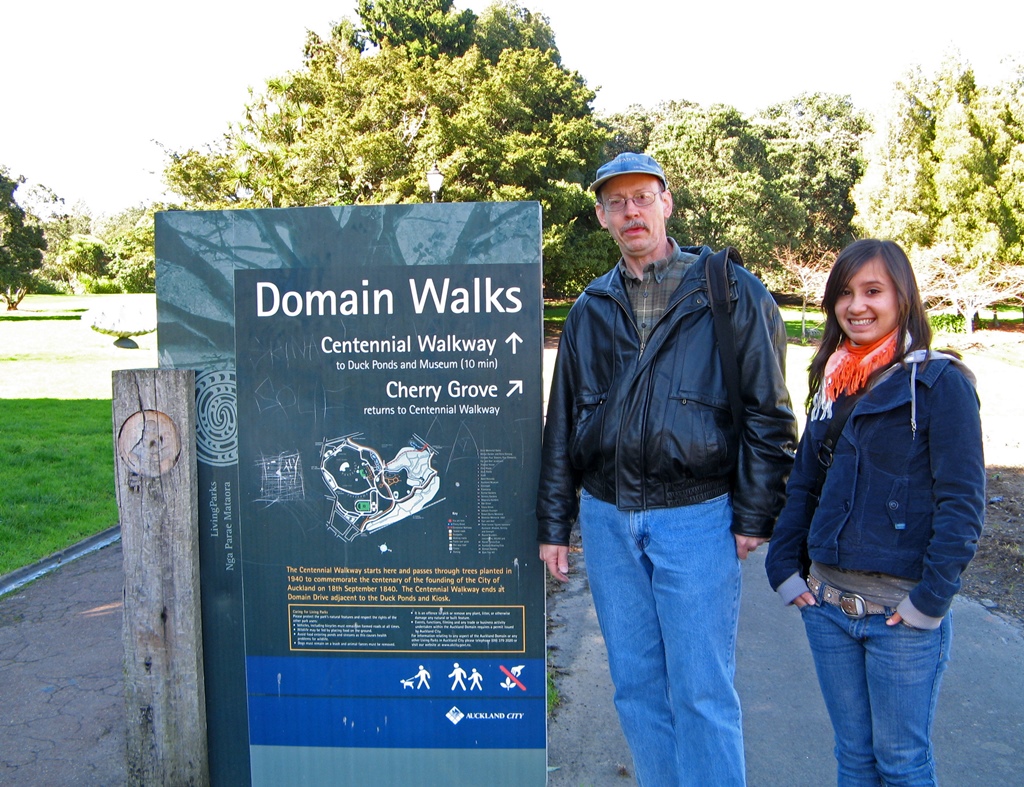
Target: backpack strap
<point>840,415</point>
<point>716,269</point>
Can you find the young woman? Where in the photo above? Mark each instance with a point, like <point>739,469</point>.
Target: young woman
<point>873,558</point>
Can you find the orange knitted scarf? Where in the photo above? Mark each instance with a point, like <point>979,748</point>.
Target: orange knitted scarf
<point>849,368</point>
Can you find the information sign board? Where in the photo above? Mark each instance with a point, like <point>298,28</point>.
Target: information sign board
<point>369,399</point>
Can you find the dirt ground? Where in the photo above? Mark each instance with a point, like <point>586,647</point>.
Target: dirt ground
<point>996,575</point>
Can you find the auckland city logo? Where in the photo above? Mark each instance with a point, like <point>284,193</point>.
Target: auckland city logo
<point>455,715</point>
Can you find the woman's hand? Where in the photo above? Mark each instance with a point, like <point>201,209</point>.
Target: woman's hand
<point>895,620</point>
<point>805,599</point>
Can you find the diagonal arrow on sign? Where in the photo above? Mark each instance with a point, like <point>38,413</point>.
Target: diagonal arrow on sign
<point>517,387</point>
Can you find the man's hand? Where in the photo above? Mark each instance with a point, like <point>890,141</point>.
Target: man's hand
<point>556,558</point>
<point>746,544</point>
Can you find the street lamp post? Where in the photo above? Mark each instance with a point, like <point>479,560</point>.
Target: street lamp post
<point>434,182</point>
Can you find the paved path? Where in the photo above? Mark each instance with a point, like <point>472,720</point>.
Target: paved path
<point>62,715</point>
<point>61,681</point>
<point>979,727</point>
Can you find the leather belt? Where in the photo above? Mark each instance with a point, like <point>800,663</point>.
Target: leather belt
<point>853,605</point>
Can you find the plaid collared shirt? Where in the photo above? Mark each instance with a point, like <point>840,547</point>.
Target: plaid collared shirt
<point>650,295</point>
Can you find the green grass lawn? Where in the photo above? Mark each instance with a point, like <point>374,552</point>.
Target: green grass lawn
<point>56,476</point>
<point>47,351</point>
<point>56,443</point>
<point>812,320</point>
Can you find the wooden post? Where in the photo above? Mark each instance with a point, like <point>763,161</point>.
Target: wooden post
<point>157,497</point>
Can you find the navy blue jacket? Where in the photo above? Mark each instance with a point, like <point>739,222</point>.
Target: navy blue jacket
<point>904,502</point>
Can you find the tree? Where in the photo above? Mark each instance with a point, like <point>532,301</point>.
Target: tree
<point>129,239</point>
<point>814,145</point>
<point>508,26</point>
<point>353,128</point>
<point>206,178</point>
<point>60,225</point>
<point>1013,285</point>
<point>426,28</point>
<point>85,254</point>
<point>1008,105</point>
<point>21,244</point>
<point>630,131</point>
<point>806,276</point>
<point>726,190</point>
<point>943,282</point>
<point>945,180</point>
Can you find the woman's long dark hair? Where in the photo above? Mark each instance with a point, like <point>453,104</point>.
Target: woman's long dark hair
<point>912,321</point>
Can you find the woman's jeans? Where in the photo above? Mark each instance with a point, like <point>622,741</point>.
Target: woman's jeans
<point>880,685</point>
<point>666,587</point>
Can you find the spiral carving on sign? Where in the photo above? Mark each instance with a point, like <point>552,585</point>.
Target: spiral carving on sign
<point>216,418</point>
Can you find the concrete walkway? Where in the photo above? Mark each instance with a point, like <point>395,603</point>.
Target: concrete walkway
<point>62,715</point>
<point>62,719</point>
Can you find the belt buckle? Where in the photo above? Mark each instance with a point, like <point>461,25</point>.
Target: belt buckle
<point>853,606</point>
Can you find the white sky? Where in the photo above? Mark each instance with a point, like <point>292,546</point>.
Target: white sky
<point>92,87</point>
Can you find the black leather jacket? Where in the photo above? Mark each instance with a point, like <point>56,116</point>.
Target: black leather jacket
<point>650,426</point>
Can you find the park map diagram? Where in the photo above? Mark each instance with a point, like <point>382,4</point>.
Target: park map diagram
<point>370,494</point>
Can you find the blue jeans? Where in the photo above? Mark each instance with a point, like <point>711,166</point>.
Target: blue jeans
<point>880,685</point>
<point>666,587</point>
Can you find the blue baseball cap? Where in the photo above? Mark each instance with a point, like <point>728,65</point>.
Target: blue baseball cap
<point>629,164</point>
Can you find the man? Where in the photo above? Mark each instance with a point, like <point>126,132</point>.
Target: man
<point>639,445</point>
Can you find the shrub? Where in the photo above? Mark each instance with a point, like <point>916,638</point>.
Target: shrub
<point>85,255</point>
<point>41,285</point>
<point>135,274</point>
<point>948,323</point>
<point>99,285</point>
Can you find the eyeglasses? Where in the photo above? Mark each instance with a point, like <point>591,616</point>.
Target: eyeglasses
<point>641,200</point>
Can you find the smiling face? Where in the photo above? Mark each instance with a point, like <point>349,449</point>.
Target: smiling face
<point>868,307</point>
<point>639,232</point>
